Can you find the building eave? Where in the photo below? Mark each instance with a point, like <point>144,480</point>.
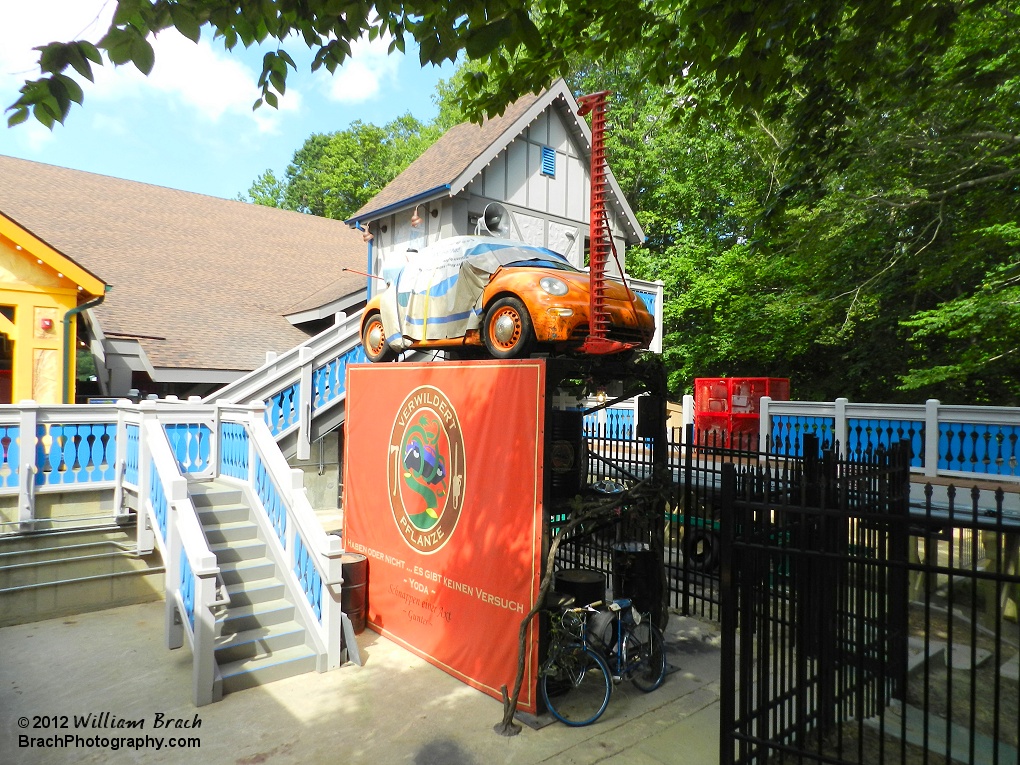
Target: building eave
<point>402,204</point>
<point>328,310</point>
<point>23,238</point>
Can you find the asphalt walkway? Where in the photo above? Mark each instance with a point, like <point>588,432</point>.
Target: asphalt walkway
<point>80,676</point>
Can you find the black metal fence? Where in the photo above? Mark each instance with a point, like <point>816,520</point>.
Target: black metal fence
<point>865,619</point>
<point>814,603</point>
<point>688,532</point>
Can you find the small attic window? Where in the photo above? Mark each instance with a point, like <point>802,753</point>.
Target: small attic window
<point>549,161</point>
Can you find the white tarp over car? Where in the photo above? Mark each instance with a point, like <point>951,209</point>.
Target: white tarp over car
<point>438,294</point>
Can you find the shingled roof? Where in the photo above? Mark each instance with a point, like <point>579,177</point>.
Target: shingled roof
<point>439,167</point>
<point>200,282</point>
<point>457,158</point>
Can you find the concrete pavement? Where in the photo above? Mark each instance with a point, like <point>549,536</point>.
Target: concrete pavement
<point>396,708</point>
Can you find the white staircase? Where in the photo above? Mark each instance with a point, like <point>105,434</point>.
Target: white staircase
<point>260,637</point>
<point>52,573</point>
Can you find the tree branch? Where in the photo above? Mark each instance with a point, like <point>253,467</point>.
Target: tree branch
<point>640,495</point>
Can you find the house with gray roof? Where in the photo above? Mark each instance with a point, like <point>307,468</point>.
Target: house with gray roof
<point>526,173</point>
<point>201,288</point>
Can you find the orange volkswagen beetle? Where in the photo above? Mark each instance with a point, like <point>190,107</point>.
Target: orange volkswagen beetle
<point>469,292</point>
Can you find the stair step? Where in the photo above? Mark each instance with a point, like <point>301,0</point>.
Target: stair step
<point>259,670</point>
<point>230,513</point>
<point>250,570</point>
<point>262,641</point>
<point>214,493</point>
<point>234,531</point>
<point>47,551</point>
<point>260,638</point>
<point>245,549</point>
<point>92,563</point>
<point>35,540</point>
<point>248,617</point>
<point>255,591</point>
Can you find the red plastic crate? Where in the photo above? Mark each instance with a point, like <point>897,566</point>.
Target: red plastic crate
<point>732,404</point>
<point>712,429</point>
<point>711,395</point>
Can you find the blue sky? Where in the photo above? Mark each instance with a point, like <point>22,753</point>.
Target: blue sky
<point>189,125</point>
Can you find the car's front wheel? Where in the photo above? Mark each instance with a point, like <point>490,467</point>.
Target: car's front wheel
<point>508,332</point>
<point>373,338</point>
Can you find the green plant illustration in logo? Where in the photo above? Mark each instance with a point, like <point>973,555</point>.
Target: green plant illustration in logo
<point>425,469</point>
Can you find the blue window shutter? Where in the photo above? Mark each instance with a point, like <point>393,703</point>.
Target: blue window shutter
<point>549,161</point>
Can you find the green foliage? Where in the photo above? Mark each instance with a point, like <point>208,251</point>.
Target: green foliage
<point>882,269</point>
<point>334,174</point>
<point>775,52</point>
<point>267,190</point>
<point>831,191</point>
<point>85,364</point>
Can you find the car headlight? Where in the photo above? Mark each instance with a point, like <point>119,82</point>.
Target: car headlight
<point>553,286</point>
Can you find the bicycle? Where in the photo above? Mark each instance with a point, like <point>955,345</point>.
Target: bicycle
<point>635,649</point>
<point>576,680</point>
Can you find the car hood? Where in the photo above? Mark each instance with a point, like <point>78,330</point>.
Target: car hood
<point>580,281</point>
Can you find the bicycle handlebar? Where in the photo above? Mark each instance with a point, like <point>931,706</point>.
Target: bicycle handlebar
<point>594,606</point>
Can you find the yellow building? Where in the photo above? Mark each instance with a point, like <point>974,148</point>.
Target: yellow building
<point>42,291</point>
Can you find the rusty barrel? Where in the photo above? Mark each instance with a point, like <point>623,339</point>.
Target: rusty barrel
<point>354,593</point>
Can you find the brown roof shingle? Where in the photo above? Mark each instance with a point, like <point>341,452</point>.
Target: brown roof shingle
<point>444,161</point>
<point>212,277</point>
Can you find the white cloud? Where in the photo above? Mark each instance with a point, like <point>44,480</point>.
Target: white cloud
<point>364,74</point>
<point>210,82</point>
<point>213,83</point>
<point>35,136</point>
<point>29,24</point>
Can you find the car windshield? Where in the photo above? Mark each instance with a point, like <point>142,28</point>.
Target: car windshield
<point>558,265</point>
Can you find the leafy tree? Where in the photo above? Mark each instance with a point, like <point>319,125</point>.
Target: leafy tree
<point>334,174</point>
<point>909,225</point>
<point>267,190</point>
<point>772,52</point>
<point>881,269</point>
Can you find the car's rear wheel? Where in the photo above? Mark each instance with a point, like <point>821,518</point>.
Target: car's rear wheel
<point>373,338</point>
<point>508,332</point>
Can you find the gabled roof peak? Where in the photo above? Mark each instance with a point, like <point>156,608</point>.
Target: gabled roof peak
<point>456,159</point>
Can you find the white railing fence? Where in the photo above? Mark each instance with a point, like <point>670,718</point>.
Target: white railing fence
<point>148,452</point>
<point>59,448</point>
<point>310,558</point>
<point>946,441</point>
<point>302,382</point>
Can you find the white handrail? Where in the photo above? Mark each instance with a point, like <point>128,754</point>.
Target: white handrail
<point>264,381</point>
<point>949,441</point>
<point>192,573</point>
<point>324,550</point>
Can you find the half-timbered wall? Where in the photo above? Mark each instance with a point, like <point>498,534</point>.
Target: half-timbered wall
<point>542,178</point>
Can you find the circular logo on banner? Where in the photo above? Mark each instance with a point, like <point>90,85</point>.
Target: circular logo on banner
<point>425,474</point>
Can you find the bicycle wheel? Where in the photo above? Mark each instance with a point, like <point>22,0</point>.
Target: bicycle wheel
<point>646,656</point>
<point>576,685</point>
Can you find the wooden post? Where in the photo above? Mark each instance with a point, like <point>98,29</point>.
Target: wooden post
<point>27,468</point>
<point>306,393</point>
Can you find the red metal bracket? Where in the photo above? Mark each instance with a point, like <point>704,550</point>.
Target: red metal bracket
<point>599,234</point>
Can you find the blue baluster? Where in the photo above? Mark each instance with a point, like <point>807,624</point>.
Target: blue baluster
<point>187,585</point>
<point>131,466</point>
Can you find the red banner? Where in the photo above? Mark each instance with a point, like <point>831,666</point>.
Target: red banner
<point>443,494</point>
